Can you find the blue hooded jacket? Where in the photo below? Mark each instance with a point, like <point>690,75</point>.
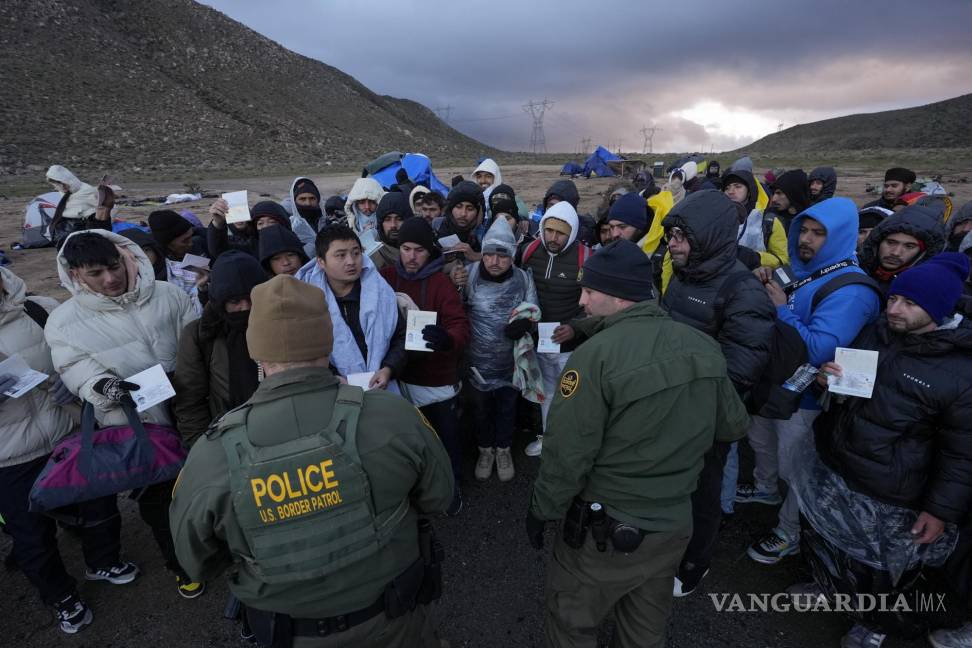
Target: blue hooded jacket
<point>839,317</point>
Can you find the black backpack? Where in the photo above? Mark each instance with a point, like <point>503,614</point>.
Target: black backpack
<point>777,393</point>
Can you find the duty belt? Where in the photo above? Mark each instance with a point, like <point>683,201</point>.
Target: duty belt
<point>340,623</point>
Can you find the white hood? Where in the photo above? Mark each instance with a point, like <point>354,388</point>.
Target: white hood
<point>83,200</point>
<point>562,211</point>
<point>364,188</point>
<point>139,291</point>
<point>489,166</point>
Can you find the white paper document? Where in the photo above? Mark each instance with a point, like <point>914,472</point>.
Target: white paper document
<point>154,388</point>
<point>449,242</point>
<point>26,377</point>
<point>361,380</point>
<point>239,206</point>
<point>416,321</point>
<point>545,343</point>
<point>859,369</point>
<point>193,262</point>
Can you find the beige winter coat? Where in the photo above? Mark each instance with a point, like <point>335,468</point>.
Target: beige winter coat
<point>93,336</point>
<point>31,425</point>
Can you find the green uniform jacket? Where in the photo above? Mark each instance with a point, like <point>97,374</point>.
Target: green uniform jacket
<point>638,405</point>
<point>400,453</point>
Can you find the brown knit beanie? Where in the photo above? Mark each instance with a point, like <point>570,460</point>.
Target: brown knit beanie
<point>289,322</point>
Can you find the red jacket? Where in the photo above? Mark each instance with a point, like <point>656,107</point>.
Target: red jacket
<point>432,290</point>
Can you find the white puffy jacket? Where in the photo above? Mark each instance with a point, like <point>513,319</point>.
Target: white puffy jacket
<point>31,425</point>
<point>93,336</point>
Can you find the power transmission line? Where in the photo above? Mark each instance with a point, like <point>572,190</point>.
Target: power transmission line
<point>649,135</point>
<point>585,145</point>
<point>536,109</point>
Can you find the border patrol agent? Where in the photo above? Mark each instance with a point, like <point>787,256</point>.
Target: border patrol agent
<point>638,406</point>
<point>310,494</point>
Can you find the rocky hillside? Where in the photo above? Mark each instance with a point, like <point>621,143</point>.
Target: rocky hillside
<point>941,125</point>
<point>156,86</point>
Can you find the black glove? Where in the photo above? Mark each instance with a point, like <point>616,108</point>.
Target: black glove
<point>456,179</point>
<point>116,390</point>
<point>534,529</point>
<point>518,328</point>
<point>749,257</point>
<point>437,337</point>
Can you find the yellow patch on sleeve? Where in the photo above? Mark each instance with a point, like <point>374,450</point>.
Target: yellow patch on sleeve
<point>569,383</point>
<point>425,421</point>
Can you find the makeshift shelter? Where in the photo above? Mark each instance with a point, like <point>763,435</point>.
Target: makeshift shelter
<point>416,165</point>
<point>37,219</point>
<point>571,169</point>
<point>596,164</point>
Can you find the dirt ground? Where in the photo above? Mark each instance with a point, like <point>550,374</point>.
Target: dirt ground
<point>529,182</point>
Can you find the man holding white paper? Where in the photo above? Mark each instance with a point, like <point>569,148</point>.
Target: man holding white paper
<point>431,377</point>
<point>369,334</point>
<point>495,289</point>
<point>30,426</point>
<point>119,322</point>
<point>174,233</point>
<point>902,459</point>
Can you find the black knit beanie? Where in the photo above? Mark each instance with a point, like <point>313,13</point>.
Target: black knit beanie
<point>620,269</point>
<point>418,232</point>
<point>167,225</point>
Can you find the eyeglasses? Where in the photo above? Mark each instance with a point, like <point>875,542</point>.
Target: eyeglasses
<point>676,234</point>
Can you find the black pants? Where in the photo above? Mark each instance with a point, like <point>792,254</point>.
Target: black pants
<point>495,413</point>
<point>153,507</point>
<point>444,417</point>
<point>706,508</point>
<point>35,535</point>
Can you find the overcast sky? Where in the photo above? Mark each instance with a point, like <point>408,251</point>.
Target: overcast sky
<point>706,74</point>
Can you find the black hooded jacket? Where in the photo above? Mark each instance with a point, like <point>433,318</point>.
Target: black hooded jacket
<point>921,222</point>
<point>910,443</point>
<point>827,175</point>
<point>709,221</point>
<point>277,239</point>
<point>747,179</point>
<point>393,202</point>
<point>565,190</point>
<point>463,191</point>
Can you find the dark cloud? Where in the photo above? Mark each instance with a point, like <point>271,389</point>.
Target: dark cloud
<point>612,67</point>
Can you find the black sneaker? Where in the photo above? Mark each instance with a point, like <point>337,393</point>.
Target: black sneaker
<point>73,614</point>
<point>119,574</point>
<point>687,579</point>
<point>456,506</point>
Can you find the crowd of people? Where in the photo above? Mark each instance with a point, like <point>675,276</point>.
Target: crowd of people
<point>644,342</point>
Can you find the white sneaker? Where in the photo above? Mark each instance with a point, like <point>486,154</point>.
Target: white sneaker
<point>504,465</point>
<point>73,614</point>
<point>484,465</point>
<point>120,574</point>
<point>534,449</point>
<point>957,638</point>
<point>860,637</point>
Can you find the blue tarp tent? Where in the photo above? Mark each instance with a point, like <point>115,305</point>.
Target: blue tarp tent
<point>419,169</point>
<point>571,169</point>
<point>596,164</point>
